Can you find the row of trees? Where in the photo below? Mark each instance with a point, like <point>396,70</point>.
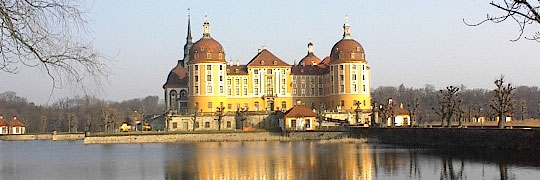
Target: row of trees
<point>460,104</point>
<point>76,114</point>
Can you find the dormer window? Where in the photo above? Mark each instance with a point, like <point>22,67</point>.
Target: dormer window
<point>208,55</point>
<point>202,48</point>
<point>357,48</point>
<point>236,70</point>
<point>352,55</point>
<point>220,55</point>
<point>363,56</point>
<point>275,62</point>
<point>262,62</point>
<point>340,56</point>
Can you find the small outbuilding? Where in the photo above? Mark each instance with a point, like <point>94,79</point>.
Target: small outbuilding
<point>16,126</point>
<point>402,117</point>
<point>299,118</point>
<point>4,128</point>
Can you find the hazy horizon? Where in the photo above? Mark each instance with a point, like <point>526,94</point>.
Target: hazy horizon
<point>413,42</point>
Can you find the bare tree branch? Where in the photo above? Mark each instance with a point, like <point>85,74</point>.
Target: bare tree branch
<point>48,34</point>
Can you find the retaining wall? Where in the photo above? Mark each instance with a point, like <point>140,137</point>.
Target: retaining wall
<point>521,139</point>
<point>55,137</point>
<point>216,137</point>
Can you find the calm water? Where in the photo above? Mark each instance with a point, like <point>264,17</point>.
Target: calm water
<point>253,160</point>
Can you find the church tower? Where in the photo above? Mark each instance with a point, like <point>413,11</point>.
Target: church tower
<point>189,43</point>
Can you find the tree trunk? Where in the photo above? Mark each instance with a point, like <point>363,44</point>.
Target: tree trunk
<point>502,119</point>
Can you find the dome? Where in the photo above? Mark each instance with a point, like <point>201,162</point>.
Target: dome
<point>178,78</point>
<point>310,60</point>
<point>206,50</point>
<point>347,50</point>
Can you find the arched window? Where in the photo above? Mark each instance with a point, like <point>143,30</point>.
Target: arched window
<point>262,62</point>
<point>173,101</point>
<point>340,55</point>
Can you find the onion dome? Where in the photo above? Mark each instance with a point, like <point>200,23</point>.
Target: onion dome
<point>347,49</point>
<point>310,59</point>
<point>178,78</point>
<point>206,49</point>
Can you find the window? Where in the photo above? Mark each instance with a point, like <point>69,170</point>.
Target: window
<point>355,88</point>
<point>312,91</point>
<point>364,88</point>
<point>341,67</point>
<point>363,56</point>
<point>220,78</point>
<point>229,91</point>
<point>244,81</point>
<point>220,55</point>
<point>174,125</point>
<point>341,77</point>
<point>208,77</point>
<point>294,91</point>
<point>283,71</point>
<point>340,55</point>
<point>237,82</point>
<point>256,104</point>
<point>208,55</point>
<point>196,89</point>
<point>229,106</point>
<point>354,77</point>
<point>209,89</point>
<point>228,124</point>
<point>237,91</point>
<point>196,78</point>
<point>284,105</point>
<point>256,81</point>
<point>209,104</point>
<point>352,55</point>
<point>363,67</point>
<point>342,103</point>
<point>256,91</point>
<point>363,77</point>
<point>256,71</point>
<point>229,82</point>
<point>303,91</point>
<point>220,67</point>
<point>262,62</point>
<point>342,88</point>
<point>269,71</point>
<point>353,66</point>
<point>196,124</point>
<point>283,81</point>
<point>308,123</point>
<point>202,48</point>
<point>245,91</point>
<point>275,62</point>
<point>358,49</point>
<point>293,124</point>
<point>196,67</point>
<point>206,124</point>
<point>220,89</point>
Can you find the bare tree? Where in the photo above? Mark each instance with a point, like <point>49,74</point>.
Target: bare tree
<point>412,106</point>
<point>522,12</point>
<point>447,100</point>
<point>502,101</point>
<point>47,34</point>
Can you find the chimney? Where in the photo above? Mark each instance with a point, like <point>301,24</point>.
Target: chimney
<point>401,105</point>
<point>14,117</point>
<point>1,116</point>
<point>237,62</point>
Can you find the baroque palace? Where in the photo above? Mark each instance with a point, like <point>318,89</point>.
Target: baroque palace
<point>203,82</point>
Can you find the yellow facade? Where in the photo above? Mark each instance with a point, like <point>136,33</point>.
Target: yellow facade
<point>267,83</point>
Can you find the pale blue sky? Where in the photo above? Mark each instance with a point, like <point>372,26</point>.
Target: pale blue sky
<point>414,42</point>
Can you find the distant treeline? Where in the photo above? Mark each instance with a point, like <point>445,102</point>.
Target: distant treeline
<point>92,114</point>
<point>475,102</point>
<point>76,114</point>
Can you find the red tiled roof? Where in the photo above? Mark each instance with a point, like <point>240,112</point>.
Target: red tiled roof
<point>309,60</point>
<point>237,70</point>
<point>325,62</point>
<point>204,46</point>
<point>300,111</point>
<point>266,58</point>
<point>308,70</point>
<point>16,123</point>
<point>402,112</point>
<point>3,123</point>
<point>177,78</point>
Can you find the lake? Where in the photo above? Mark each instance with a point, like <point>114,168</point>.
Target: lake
<point>255,160</point>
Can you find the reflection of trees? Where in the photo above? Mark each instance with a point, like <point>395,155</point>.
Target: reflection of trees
<point>448,172</point>
<point>414,170</point>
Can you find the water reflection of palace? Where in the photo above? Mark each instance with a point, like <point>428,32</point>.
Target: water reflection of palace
<point>270,160</point>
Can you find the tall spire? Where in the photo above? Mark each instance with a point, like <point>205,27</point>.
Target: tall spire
<point>189,38</point>
<point>346,29</point>
<point>206,27</point>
